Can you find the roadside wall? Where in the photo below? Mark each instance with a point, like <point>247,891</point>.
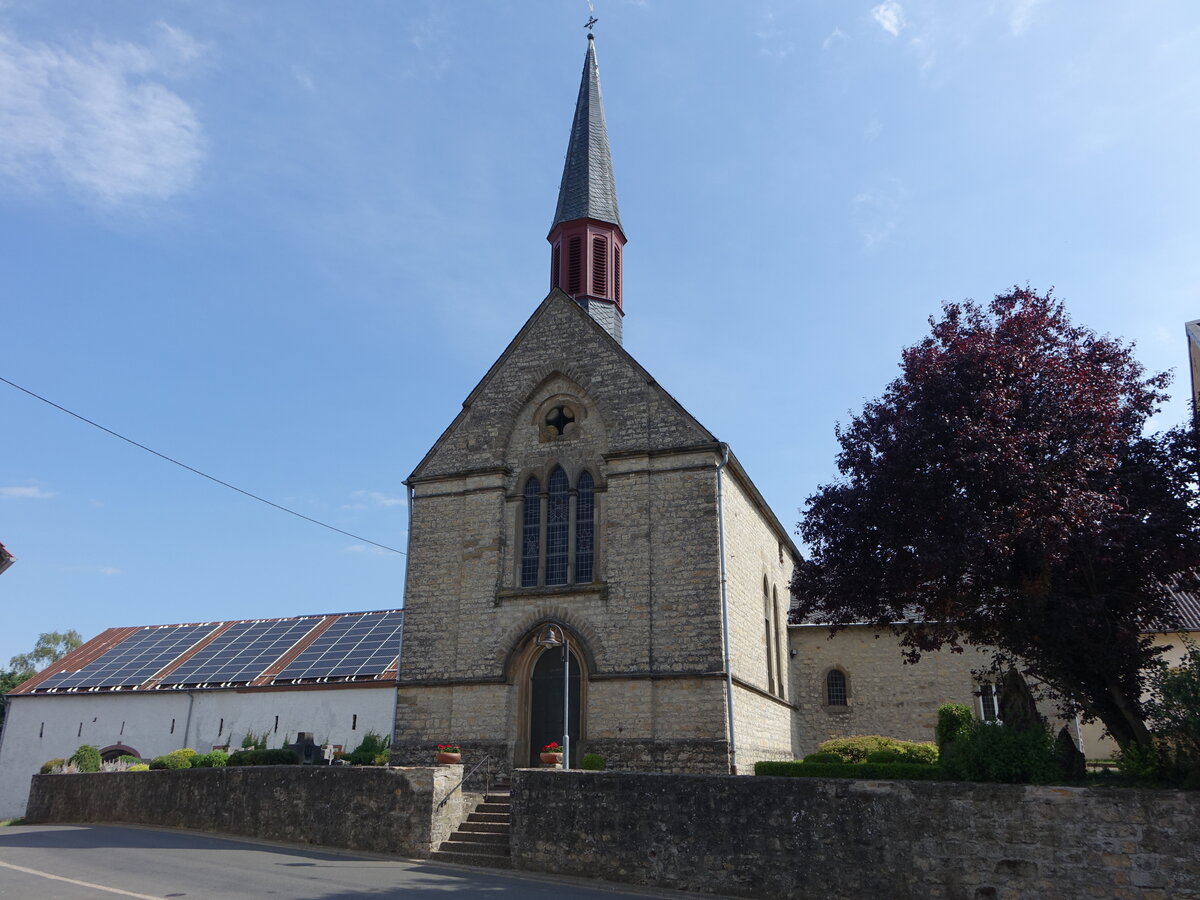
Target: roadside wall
<point>824,838</point>
<point>382,810</point>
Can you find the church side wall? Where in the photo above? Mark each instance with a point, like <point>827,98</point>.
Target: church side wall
<point>39,728</point>
<point>759,568</point>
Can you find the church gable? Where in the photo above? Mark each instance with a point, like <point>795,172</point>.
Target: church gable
<point>562,378</point>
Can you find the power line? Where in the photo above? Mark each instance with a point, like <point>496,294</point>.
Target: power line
<point>198,472</point>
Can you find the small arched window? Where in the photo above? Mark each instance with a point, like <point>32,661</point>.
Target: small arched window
<point>599,266</point>
<point>585,528</point>
<point>557,528</point>
<point>835,688</point>
<point>531,530</point>
<point>555,265</point>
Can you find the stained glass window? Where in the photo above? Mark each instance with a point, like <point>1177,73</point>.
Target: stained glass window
<point>557,521</point>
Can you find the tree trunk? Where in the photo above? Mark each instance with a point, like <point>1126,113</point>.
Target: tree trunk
<point>1122,720</point>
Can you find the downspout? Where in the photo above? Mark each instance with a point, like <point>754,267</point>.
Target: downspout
<point>725,608</point>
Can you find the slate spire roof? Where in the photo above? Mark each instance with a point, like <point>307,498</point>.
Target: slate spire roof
<point>588,189</point>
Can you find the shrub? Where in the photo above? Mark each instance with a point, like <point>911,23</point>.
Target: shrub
<point>998,753</point>
<point>50,765</point>
<point>823,756</point>
<point>592,762</point>
<point>953,722</point>
<point>373,751</point>
<point>860,749</point>
<point>894,771</point>
<point>132,760</point>
<point>139,767</point>
<point>176,759</point>
<point>86,758</point>
<point>254,741</point>
<point>281,757</point>
<point>212,760</point>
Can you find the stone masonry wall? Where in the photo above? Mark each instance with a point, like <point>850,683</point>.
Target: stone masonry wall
<point>819,839</point>
<point>358,808</point>
<point>883,694</point>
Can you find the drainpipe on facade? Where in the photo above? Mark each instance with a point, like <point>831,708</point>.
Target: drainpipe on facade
<point>725,608</point>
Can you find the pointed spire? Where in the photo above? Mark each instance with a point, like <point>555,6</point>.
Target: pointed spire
<point>586,239</point>
<point>588,189</point>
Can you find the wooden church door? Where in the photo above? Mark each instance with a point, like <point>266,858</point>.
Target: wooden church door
<point>546,705</point>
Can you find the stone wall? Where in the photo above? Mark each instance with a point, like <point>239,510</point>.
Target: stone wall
<point>810,838</point>
<point>380,810</point>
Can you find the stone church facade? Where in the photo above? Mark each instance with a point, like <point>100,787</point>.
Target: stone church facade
<point>572,490</point>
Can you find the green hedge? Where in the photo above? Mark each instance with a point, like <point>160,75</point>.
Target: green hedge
<point>876,748</point>
<point>892,771</point>
<point>281,757</point>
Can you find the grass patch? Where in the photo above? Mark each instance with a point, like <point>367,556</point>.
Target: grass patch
<point>4,822</point>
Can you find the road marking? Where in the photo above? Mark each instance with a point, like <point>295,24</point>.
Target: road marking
<point>86,884</point>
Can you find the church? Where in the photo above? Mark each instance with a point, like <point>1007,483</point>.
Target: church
<point>574,496</point>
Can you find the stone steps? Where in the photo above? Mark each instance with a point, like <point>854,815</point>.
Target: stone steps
<point>483,839</point>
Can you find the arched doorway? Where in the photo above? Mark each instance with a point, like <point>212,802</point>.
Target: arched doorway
<point>546,704</point>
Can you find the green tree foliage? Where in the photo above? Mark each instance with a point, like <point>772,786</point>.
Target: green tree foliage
<point>51,646</point>
<point>373,751</point>
<point>953,722</point>
<point>1002,493</point>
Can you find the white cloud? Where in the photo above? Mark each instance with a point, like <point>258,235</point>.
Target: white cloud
<point>375,498</point>
<point>890,16</point>
<point>303,78</point>
<point>835,36</point>
<point>25,493</point>
<point>373,551</point>
<point>98,118</point>
<point>109,570</point>
<point>1022,16</point>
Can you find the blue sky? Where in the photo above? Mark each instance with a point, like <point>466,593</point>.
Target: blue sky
<point>282,241</point>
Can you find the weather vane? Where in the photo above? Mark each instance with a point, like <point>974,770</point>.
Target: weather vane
<point>592,20</point>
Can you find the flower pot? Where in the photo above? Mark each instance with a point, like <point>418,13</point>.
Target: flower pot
<point>552,759</point>
<point>448,759</point>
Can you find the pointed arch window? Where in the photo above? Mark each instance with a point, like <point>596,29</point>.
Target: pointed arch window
<point>558,520</point>
<point>835,688</point>
<point>555,265</point>
<point>585,528</point>
<point>558,531</point>
<point>531,532</point>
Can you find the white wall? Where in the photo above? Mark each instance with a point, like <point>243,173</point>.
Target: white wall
<point>42,727</point>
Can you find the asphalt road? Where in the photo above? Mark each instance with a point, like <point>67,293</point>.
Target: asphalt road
<point>109,862</point>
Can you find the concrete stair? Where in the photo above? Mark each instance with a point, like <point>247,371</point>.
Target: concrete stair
<point>482,840</point>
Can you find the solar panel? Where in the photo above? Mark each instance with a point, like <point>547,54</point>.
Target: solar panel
<point>241,653</point>
<point>134,660</point>
<point>356,644</point>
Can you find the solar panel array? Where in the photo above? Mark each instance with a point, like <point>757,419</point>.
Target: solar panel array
<point>133,661</point>
<point>355,645</point>
<point>242,653</point>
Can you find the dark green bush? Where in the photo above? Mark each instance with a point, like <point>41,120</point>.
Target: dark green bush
<point>373,751</point>
<point>592,762</point>
<point>991,752</point>
<point>953,722</point>
<point>895,771</point>
<point>254,741</point>
<point>50,764</point>
<point>859,749</point>
<point>280,757</point>
<point>86,758</point>
<point>823,756</point>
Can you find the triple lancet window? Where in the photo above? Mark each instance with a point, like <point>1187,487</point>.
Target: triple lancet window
<point>558,531</point>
